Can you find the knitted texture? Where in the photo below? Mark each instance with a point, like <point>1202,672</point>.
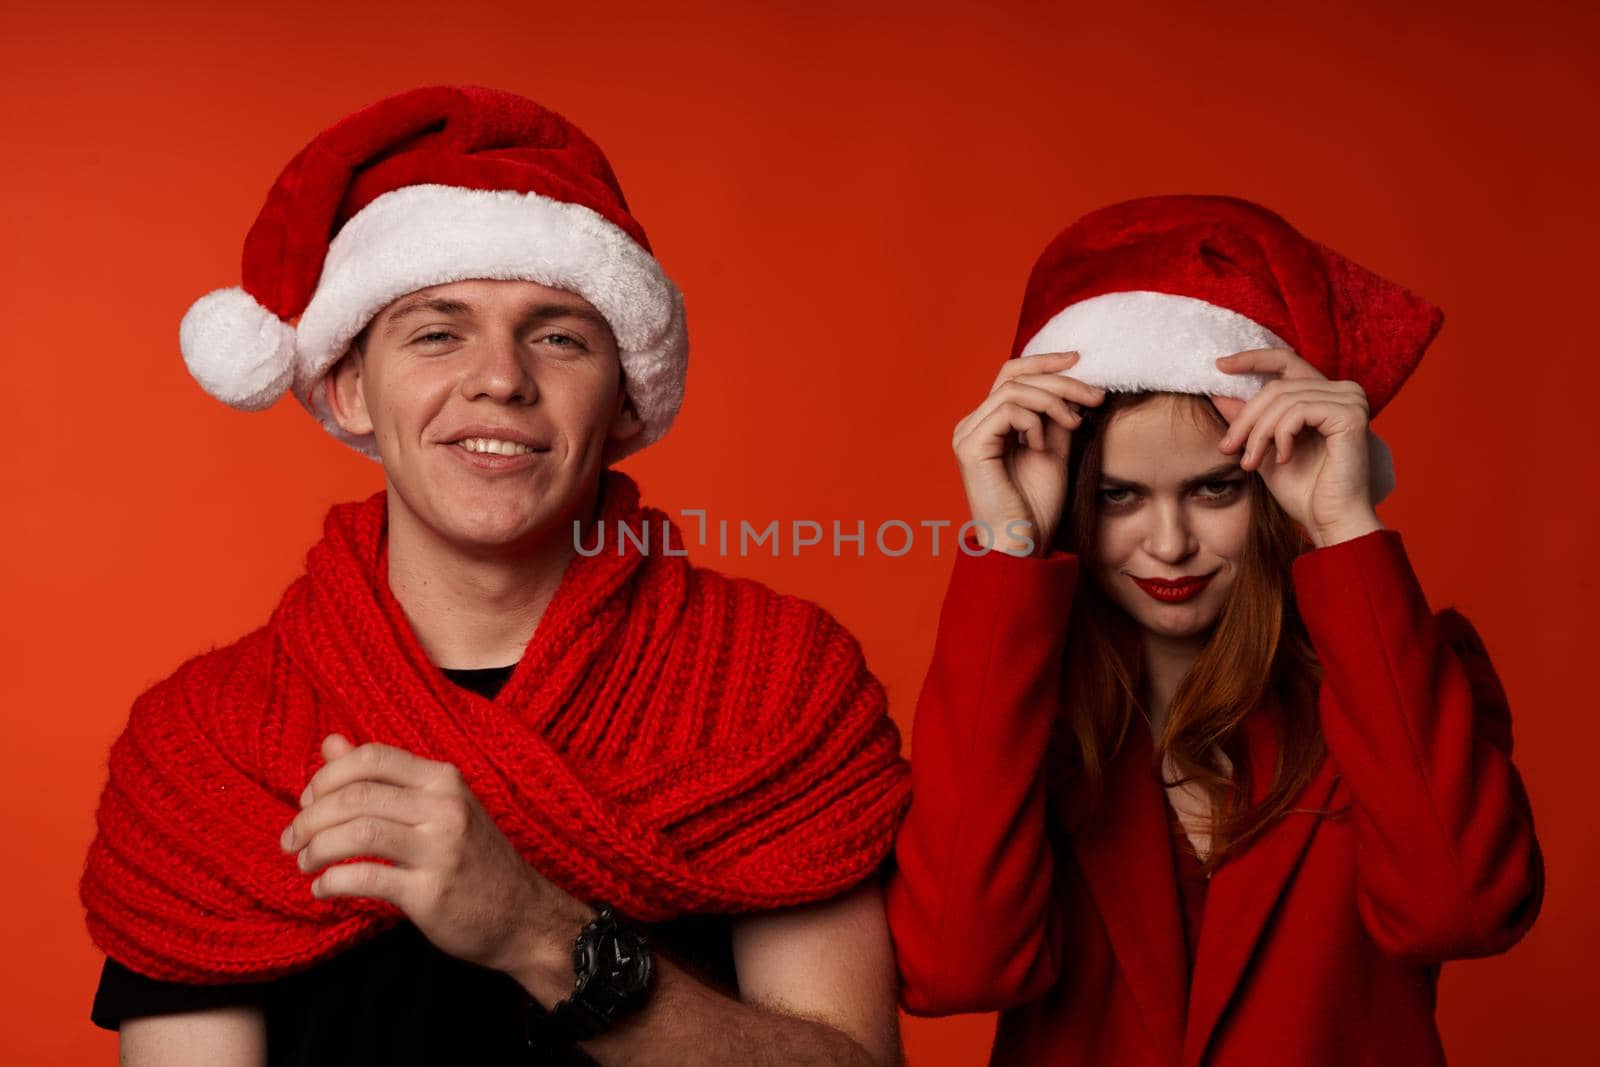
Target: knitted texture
<point>672,740</point>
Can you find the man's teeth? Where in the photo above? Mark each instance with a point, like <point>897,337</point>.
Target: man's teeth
<point>493,445</point>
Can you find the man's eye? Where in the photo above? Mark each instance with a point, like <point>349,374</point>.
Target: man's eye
<point>562,340</point>
<point>428,337</point>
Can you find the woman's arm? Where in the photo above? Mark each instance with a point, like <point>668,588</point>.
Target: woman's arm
<point>218,1037</point>
<point>971,901</point>
<point>1417,723</point>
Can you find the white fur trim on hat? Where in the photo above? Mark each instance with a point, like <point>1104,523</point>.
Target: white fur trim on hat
<point>424,235</point>
<point>237,350</point>
<point>1144,340</point>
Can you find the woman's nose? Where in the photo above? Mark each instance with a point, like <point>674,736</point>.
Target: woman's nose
<point>1170,539</point>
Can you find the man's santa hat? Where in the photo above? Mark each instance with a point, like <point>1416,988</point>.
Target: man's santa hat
<point>438,184</point>
<point>1151,291</point>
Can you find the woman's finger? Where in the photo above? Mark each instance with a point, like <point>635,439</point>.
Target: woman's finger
<point>1289,427</point>
<point>1058,438</point>
<point>1245,418</point>
<point>988,437</point>
<point>1261,427</point>
<point>1045,400</point>
<point>1044,374</point>
<point>1280,361</point>
<point>1031,398</point>
<point>1065,386</point>
<point>1266,418</point>
<point>1320,415</point>
<point>1041,363</point>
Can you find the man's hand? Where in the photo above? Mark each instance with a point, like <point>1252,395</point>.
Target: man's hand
<point>819,980</point>
<point>455,874</point>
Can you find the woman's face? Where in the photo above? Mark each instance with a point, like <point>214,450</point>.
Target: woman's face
<point>1172,507</point>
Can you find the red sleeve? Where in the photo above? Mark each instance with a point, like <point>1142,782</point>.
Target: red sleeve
<point>970,900</point>
<point>1417,723</point>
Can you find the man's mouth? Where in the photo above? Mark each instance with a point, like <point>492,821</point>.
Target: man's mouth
<point>492,446</point>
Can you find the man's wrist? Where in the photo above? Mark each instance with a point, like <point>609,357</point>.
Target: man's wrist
<point>545,968</point>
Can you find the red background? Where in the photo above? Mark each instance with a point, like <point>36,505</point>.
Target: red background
<point>851,199</point>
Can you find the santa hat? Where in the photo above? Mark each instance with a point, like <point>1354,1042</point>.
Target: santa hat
<point>1151,291</point>
<point>438,184</point>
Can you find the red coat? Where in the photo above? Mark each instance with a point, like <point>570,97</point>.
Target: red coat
<point>1322,939</point>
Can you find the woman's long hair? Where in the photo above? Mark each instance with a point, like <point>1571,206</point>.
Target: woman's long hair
<point>1257,642</point>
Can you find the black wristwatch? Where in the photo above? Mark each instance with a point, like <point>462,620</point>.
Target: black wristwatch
<point>613,967</point>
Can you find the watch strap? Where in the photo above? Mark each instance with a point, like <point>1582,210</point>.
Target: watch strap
<point>597,1001</point>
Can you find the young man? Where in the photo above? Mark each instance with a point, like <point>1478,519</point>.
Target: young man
<point>470,789</point>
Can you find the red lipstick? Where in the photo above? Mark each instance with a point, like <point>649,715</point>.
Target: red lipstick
<point>1174,592</point>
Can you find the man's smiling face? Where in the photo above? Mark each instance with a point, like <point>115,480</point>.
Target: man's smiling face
<point>490,403</point>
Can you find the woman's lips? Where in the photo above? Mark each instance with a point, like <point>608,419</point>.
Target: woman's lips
<point>1174,592</point>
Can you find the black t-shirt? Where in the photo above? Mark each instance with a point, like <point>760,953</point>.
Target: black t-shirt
<point>396,999</point>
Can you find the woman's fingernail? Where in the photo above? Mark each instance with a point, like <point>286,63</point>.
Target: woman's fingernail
<point>288,837</point>
<point>305,797</point>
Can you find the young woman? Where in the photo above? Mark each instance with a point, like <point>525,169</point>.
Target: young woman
<point>1198,776</point>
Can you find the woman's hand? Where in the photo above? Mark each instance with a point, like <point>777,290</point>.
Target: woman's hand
<point>1010,483</point>
<point>1307,436</point>
<point>455,874</point>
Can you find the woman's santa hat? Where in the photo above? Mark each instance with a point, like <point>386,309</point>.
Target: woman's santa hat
<point>438,184</point>
<point>1151,291</point>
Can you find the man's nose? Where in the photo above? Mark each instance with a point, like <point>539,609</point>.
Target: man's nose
<point>501,370</point>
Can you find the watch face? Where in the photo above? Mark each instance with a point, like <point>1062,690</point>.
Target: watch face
<point>613,956</point>
<point>626,959</point>
<point>614,970</point>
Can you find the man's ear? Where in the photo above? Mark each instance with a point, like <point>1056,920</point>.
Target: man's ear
<point>344,394</point>
<point>626,423</point>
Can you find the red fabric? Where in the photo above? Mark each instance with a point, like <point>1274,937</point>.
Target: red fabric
<point>672,741</point>
<point>1192,885</point>
<point>1343,319</point>
<point>462,135</point>
<point>1321,940</point>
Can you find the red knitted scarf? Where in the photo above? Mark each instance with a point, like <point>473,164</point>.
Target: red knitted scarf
<point>672,741</point>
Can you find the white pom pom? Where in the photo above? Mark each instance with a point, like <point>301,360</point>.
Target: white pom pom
<point>237,350</point>
<point>1380,467</point>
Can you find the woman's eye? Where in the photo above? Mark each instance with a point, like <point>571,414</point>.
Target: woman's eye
<point>1115,496</point>
<point>1219,490</point>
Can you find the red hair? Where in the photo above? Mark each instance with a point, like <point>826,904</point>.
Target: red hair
<point>1257,642</point>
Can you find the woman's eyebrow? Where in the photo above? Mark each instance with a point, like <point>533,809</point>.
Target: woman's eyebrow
<point>1221,470</point>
